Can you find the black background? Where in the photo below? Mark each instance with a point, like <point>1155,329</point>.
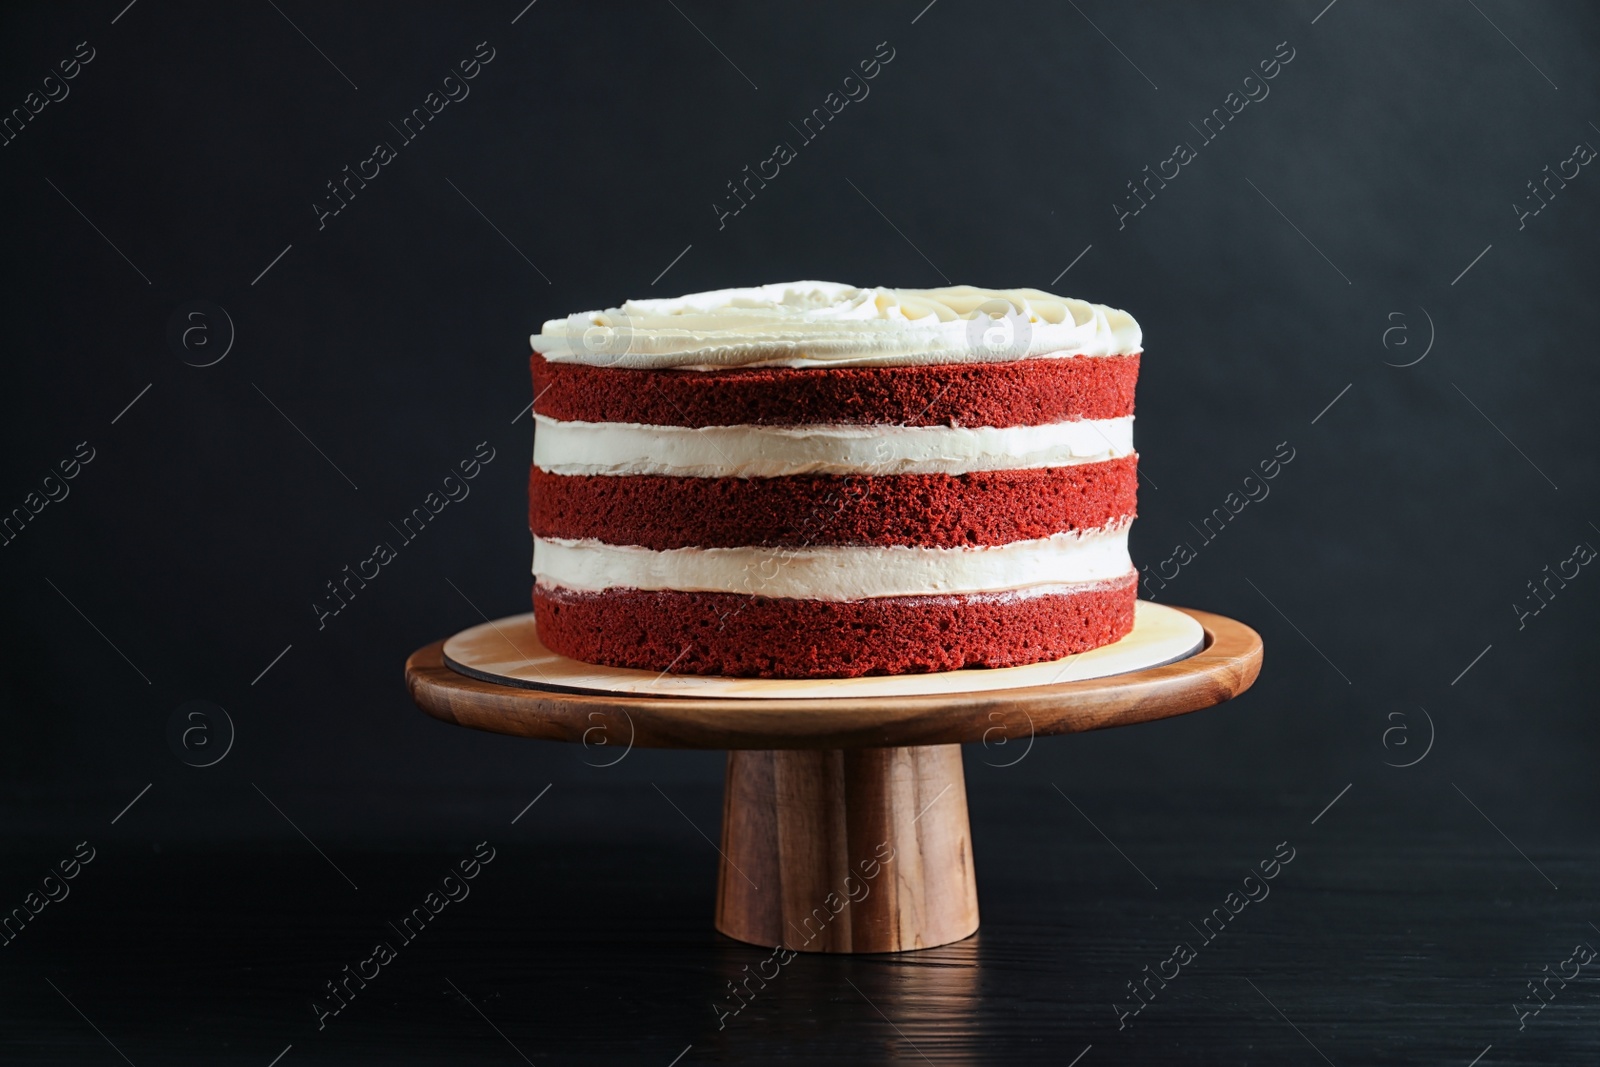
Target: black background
<point>1373,190</point>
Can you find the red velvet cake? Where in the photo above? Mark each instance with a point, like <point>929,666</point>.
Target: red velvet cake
<point>811,480</point>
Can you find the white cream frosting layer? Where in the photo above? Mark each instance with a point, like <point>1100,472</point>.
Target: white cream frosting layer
<point>825,324</point>
<point>622,448</point>
<point>838,573</point>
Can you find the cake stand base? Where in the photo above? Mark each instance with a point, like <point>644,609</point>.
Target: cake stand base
<point>844,818</point>
<point>846,850</point>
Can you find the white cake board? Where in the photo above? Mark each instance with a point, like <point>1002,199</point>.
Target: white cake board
<point>509,651</point>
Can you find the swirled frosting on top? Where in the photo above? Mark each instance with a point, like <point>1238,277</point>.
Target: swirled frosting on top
<point>825,324</point>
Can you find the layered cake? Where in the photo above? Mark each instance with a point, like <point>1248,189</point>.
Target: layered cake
<point>813,480</point>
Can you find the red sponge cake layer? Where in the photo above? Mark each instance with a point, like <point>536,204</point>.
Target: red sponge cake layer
<point>764,637</point>
<point>938,510</point>
<point>1031,392</point>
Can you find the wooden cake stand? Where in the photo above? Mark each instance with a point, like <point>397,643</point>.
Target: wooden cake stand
<point>844,821</point>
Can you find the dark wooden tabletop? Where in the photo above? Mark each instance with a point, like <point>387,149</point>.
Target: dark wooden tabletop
<point>1403,930</point>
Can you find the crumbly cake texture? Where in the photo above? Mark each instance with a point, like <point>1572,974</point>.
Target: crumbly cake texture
<point>941,510</point>
<point>735,635</point>
<point>1027,392</point>
<point>805,508</point>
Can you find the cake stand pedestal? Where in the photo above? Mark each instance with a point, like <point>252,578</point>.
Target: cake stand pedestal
<point>844,821</point>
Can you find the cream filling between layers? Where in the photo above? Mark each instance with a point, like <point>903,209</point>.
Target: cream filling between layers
<point>620,448</point>
<point>838,573</point>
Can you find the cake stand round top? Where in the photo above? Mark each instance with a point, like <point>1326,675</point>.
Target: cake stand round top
<point>1225,666</point>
